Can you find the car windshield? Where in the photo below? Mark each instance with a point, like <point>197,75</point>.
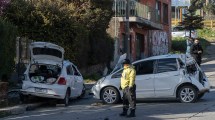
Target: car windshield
<point>176,29</point>
<point>47,51</point>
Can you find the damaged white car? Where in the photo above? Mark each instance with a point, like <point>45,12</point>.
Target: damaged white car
<point>49,75</point>
<point>174,76</point>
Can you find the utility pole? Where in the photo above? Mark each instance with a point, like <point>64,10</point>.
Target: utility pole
<point>127,29</point>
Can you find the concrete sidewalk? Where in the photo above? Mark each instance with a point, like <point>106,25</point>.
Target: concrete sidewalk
<point>208,64</point>
<point>19,109</point>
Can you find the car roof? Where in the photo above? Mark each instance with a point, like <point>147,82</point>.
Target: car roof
<point>67,62</point>
<point>161,57</point>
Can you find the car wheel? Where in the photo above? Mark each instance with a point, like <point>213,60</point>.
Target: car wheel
<point>110,95</point>
<point>187,94</point>
<point>83,92</point>
<point>23,98</point>
<point>200,95</point>
<point>66,99</point>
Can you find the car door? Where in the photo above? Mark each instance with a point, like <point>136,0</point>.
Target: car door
<point>78,81</point>
<point>167,77</point>
<point>145,79</point>
<point>70,79</point>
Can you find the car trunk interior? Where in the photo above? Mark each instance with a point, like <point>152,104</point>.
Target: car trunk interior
<point>44,73</point>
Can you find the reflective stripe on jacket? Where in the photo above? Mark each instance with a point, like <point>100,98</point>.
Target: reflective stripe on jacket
<point>128,77</point>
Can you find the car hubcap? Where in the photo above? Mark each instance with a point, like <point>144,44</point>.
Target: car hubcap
<point>109,96</point>
<point>187,95</point>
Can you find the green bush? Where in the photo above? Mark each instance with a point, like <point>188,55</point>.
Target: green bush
<point>207,33</point>
<point>8,34</point>
<point>179,44</point>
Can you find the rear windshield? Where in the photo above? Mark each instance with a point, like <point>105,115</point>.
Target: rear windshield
<point>47,51</point>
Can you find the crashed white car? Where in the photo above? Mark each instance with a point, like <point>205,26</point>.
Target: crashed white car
<point>49,75</point>
<point>166,76</point>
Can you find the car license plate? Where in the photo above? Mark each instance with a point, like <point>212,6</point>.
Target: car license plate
<point>40,90</point>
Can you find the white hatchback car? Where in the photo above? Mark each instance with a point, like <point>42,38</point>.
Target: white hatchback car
<point>164,76</point>
<point>49,75</point>
<point>178,31</point>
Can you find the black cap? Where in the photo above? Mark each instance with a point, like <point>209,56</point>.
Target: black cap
<point>126,61</point>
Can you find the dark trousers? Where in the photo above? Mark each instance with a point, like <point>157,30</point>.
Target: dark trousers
<point>129,98</point>
<point>198,58</point>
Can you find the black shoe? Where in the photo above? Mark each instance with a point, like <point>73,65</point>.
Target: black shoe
<point>124,113</point>
<point>132,113</point>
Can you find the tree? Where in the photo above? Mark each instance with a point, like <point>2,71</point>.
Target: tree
<point>78,26</point>
<point>3,4</point>
<point>8,34</point>
<point>192,21</point>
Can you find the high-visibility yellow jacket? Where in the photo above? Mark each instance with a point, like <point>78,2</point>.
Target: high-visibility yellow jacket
<point>128,77</point>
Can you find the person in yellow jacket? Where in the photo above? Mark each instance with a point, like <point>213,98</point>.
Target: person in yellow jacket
<point>128,88</point>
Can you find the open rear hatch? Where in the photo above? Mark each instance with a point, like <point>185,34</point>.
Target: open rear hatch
<point>46,62</point>
<point>44,51</point>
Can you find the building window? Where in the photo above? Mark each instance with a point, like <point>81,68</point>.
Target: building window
<point>124,43</point>
<point>165,13</point>
<point>158,11</point>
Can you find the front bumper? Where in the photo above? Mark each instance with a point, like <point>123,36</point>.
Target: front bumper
<point>96,91</point>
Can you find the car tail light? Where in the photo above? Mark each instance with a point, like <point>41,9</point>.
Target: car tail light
<point>62,81</point>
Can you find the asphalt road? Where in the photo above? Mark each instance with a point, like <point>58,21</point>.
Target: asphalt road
<point>91,109</point>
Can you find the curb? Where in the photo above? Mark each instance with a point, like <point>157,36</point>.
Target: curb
<point>20,109</point>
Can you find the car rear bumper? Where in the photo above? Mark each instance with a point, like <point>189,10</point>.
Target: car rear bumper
<point>45,95</point>
<point>44,90</point>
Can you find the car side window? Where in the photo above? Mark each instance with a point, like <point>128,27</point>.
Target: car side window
<point>69,70</point>
<point>76,71</point>
<point>145,67</point>
<point>181,63</point>
<point>167,65</point>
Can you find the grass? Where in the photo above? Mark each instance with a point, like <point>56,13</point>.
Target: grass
<point>92,78</point>
<point>207,33</point>
<point>179,44</point>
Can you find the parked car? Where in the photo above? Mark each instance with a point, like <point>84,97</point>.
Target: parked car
<point>178,31</point>
<point>174,76</point>
<point>48,75</point>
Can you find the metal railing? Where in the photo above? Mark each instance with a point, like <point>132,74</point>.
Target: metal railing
<point>137,10</point>
<point>207,23</point>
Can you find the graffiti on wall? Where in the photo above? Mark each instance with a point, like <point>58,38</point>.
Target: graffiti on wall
<point>159,42</point>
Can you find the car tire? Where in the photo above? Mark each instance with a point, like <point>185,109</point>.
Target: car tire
<point>67,98</point>
<point>110,95</point>
<point>83,92</point>
<point>200,95</point>
<point>24,98</point>
<point>187,94</point>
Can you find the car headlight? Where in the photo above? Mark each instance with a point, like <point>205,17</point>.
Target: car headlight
<point>100,81</point>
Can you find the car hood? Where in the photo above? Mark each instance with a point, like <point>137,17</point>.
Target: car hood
<point>119,63</point>
<point>46,52</point>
